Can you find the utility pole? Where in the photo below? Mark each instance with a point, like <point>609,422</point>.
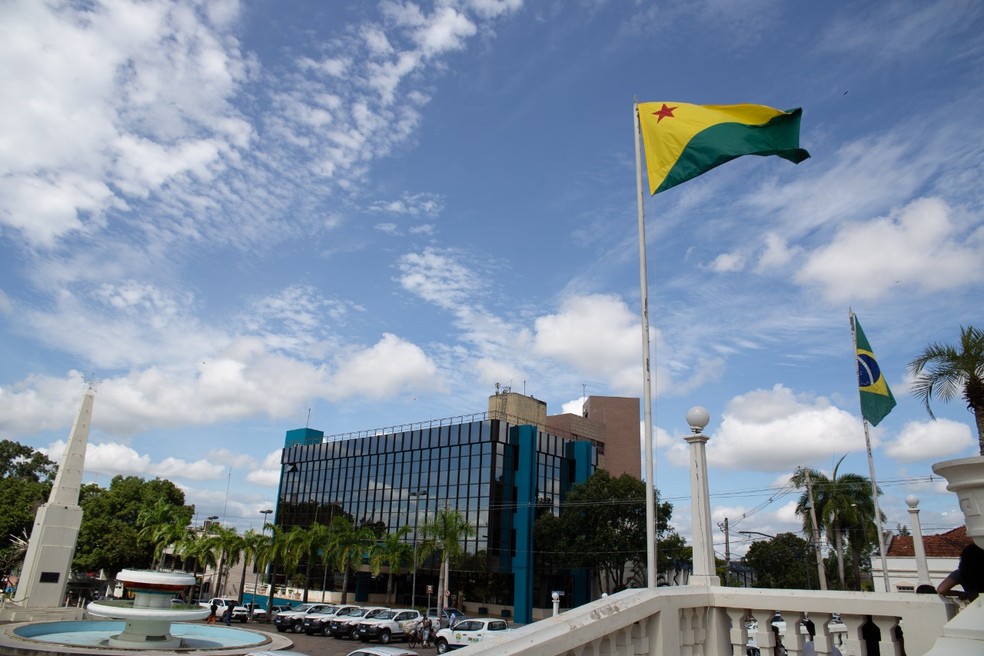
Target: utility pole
<point>816,532</point>
<point>727,551</point>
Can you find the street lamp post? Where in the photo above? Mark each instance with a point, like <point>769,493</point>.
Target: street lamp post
<point>413,585</point>
<point>256,579</point>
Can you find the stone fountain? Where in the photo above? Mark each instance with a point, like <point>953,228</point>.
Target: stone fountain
<point>149,615</point>
<point>148,623</point>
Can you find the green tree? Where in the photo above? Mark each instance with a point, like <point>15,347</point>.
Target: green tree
<point>782,562</point>
<point>602,526</point>
<point>281,555</point>
<point>445,534</point>
<point>944,371</point>
<point>109,538</point>
<point>25,483</point>
<point>393,551</point>
<point>163,524</point>
<point>225,545</point>
<point>845,510</point>
<point>349,543</point>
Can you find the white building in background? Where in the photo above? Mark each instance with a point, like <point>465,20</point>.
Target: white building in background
<point>942,555</point>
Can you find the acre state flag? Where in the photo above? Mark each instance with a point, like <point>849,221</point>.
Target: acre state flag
<point>683,141</point>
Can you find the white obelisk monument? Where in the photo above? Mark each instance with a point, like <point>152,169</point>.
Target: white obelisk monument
<point>48,562</point>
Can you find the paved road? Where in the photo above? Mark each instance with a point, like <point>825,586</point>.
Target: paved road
<point>326,645</point>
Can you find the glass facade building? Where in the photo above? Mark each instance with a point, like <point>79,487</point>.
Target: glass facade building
<point>498,473</point>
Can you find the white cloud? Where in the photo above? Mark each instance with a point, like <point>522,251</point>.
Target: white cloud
<point>390,366</point>
<point>926,440</point>
<point>112,458</point>
<point>753,425</point>
<point>597,334</point>
<point>267,474</point>
<point>437,277</point>
<point>917,247</point>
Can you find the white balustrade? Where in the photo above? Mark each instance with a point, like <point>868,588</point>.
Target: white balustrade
<point>715,621</point>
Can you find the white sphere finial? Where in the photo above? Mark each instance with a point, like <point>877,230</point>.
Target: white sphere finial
<point>912,501</point>
<point>697,418</point>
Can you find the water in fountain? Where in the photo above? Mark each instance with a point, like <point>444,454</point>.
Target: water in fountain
<point>148,622</point>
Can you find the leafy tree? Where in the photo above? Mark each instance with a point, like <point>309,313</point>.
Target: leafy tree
<point>109,538</point>
<point>845,510</point>
<point>225,545</point>
<point>280,554</point>
<point>944,371</point>
<point>392,550</point>
<point>602,526</point>
<point>164,524</point>
<point>25,483</point>
<point>445,534</point>
<point>349,544</point>
<point>782,562</point>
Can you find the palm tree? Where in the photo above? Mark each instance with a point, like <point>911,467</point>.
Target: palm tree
<point>299,541</point>
<point>196,546</point>
<point>392,549</point>
<point>280,554</point>
<point>252,544</point>
<point>349,544</point>
<point>944,371</point>
<point>163,536</point>
<point>844,507</point>
<point>225,545</point>
<point>445,534</point>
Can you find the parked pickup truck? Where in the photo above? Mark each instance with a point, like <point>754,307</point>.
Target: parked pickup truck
<point>242,613</point>
<point>468,632</point>
<point>388,625</point>
<point>293,620</point>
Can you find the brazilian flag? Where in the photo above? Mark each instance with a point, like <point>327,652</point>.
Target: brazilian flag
<point>876,399</point>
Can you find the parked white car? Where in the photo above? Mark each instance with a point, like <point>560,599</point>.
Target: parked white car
<point>468,632</point>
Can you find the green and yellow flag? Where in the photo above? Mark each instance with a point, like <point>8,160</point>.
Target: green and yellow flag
<point>683,141</point>
<point>876,399</point>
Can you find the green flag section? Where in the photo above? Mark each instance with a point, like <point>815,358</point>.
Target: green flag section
<point>876,399</point>
<point>683,141</point>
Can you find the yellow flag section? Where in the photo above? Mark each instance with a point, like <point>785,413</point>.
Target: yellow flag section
<point>683,141</point>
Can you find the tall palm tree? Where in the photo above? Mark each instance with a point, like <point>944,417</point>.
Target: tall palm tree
<point>844,507</point>
<point>163,536</point>
<point>197,547</point>
<point>301,546</point>
<point>445,534</point>
<point>349,544</point>
<point>280,555</point>
<point>226,545</point>
<point>944,371</point>
<point>392,549</point>
<point>252,544</point>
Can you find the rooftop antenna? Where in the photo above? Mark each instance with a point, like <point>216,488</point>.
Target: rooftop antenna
<point>308,424</point>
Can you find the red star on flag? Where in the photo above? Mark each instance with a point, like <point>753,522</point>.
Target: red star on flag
<point>664,112</point>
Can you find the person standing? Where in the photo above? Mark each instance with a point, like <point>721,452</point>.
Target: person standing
<point>211,616</point>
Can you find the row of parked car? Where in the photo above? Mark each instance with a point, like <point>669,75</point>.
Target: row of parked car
<point>377,623</point>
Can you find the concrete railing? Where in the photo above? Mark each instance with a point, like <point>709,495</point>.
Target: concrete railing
<point>711,621</point>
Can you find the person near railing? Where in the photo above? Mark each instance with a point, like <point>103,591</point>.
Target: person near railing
<point>969,574</point>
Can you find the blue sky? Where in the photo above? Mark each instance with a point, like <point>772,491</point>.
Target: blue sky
<point>234,214</point>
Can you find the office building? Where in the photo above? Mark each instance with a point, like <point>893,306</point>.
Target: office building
<point>499,469</point>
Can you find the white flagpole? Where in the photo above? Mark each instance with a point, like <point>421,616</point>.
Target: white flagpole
<point>647,441</point>
<point>871,468</point>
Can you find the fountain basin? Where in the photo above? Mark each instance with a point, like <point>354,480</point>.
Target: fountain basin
<point>92,637</point>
